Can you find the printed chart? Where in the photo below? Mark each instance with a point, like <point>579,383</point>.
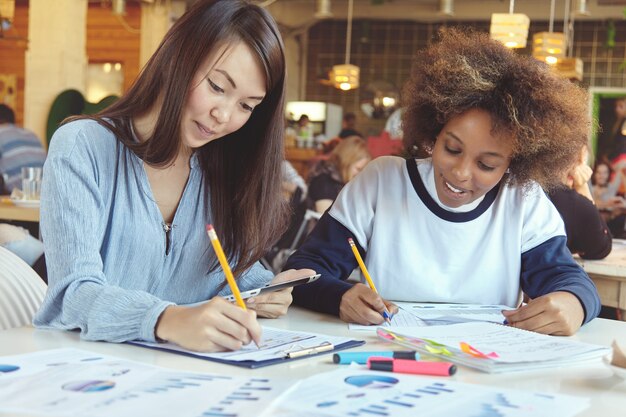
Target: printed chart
<point>357,393</point>
<point>75,382</point>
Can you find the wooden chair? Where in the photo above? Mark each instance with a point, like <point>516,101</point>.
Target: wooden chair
<point>21,291</point>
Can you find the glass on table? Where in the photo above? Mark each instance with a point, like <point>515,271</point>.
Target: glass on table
<point>31,182</point>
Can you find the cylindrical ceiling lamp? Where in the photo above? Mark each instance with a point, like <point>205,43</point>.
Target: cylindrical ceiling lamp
<point>446,7</point>
<point>119,7</point>
<point>549,47</point>
<point>510,28</point>
<point>581,8</point>
<point>346,76</point>
<point>323,9</point>
<point>570,68</point>
<point>7,10</point>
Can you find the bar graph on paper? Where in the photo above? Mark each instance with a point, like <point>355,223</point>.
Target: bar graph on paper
<point>355,393</point>
<point>75,382</point>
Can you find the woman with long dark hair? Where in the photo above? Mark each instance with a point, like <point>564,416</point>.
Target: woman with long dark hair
<point>197,139</point>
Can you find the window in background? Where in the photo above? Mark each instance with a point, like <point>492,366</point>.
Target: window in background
<point>104,79</point>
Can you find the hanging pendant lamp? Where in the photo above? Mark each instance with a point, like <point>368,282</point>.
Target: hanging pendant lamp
<point>549,47</point>
<point>510,28</point>
<point>7,10</point>
<point>346,76</point>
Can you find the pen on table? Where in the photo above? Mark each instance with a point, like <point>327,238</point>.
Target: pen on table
<point>406,366</point>
<point>345,358</point>
<point>359,260</point>
<point>324,347</point>
<point>217,247</point>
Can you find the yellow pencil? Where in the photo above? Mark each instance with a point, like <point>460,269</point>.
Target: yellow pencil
<point>359,260</point>
<point>217,247</point>
<point>224,262</point>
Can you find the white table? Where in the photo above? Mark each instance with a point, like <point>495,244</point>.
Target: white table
<point>609,275</point>
<point>596,381</point>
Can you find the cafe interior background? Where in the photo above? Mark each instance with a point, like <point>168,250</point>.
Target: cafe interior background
<point>95,49</point>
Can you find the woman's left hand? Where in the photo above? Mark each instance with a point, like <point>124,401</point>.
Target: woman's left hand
<point>558,313</point>
<point>275,304</point>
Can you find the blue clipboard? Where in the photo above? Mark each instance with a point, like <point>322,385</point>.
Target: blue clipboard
<point>251,364</point>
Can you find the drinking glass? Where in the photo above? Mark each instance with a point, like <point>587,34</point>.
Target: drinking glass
<point>31,182</point>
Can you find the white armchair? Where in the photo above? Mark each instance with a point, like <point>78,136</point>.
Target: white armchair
<point>21,291</point>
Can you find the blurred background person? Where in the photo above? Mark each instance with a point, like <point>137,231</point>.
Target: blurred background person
<point>618,133</point>
<point>587,232</point>
<point>293,185</point>
<point>617,145</point>
<point>349,126</point>
<point>329,176</point>
<point>19,148</point>
<point>605,184</point>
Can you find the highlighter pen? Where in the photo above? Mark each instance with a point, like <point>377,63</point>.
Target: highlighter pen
<point>361,358</point>
<point>404,366</point>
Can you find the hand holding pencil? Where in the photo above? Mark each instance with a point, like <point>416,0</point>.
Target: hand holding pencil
<point>362,304</point>
<point>217,246</point>
<point>213,326</point>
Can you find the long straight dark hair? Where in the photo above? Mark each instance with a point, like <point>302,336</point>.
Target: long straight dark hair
<point>242,169</point>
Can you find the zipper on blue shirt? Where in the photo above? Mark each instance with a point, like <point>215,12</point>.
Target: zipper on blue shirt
<point>167,227</point>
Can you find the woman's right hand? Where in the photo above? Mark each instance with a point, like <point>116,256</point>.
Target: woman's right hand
<point>214,326</point>
<point>361,305</point>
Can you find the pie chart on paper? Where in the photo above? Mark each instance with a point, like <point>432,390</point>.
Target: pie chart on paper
<point>371,381</point>
<point>5,369</point>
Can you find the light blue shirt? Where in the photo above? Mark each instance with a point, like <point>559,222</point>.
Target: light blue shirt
<point>109,272</point>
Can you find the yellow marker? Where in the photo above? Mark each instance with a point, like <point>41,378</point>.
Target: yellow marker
<point>224,263</point>
<point>359,260</point>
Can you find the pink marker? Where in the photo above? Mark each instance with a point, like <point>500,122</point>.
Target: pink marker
<point>407,366</point>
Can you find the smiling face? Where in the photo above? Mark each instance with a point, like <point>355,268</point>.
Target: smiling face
<point>468,158</point>
<point>224,92</point>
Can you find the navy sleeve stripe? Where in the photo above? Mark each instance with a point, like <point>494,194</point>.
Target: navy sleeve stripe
<point>326,250</point>
<point>550,267</point>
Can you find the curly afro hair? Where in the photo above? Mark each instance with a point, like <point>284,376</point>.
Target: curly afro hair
<point>546,116</point>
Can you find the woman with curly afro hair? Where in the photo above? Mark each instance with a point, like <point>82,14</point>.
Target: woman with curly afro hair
<point>464,219</point>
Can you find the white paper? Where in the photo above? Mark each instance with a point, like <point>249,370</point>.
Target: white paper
<point>352,391</point>
<point>403,318</point>
<point>440,314</point>
<point>432,314</point>
<point>72,382</point>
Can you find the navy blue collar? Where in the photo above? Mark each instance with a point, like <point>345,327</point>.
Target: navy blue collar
<point>440,212</point>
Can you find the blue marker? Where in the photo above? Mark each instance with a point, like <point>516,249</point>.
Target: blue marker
<point>346,358</point>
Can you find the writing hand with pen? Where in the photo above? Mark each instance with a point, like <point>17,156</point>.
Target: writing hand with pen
<point>214,326</point>
<point>361,305</point>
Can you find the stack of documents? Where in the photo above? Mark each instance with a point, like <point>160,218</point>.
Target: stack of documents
<point>493,348</point>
